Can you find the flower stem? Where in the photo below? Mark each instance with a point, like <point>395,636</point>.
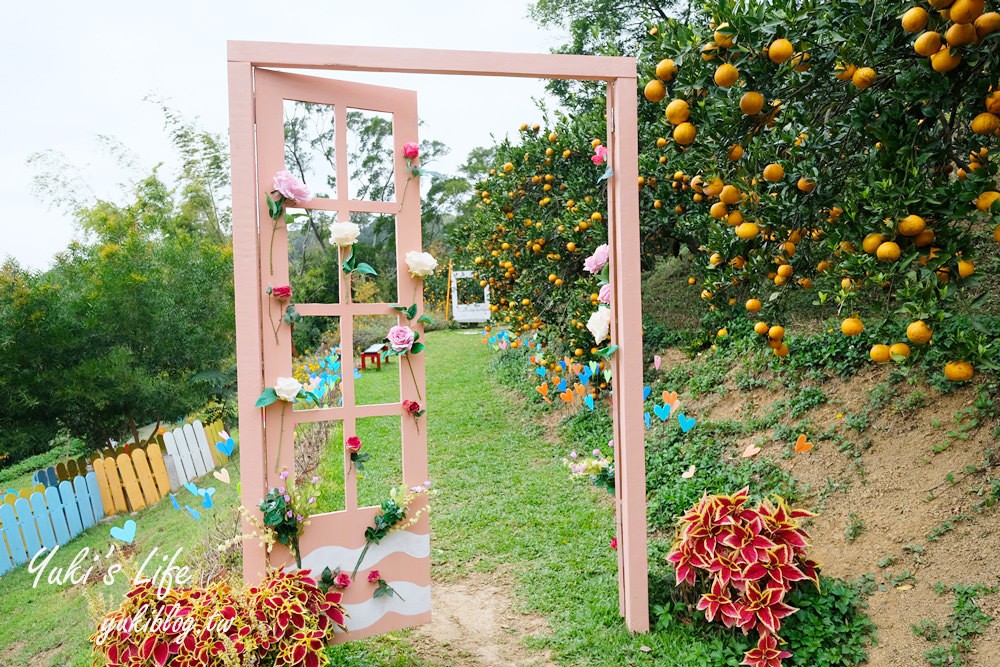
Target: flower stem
<point>357,565</point>
<point>274,326</point>
<point>274,230</point>
<point>414,376</point>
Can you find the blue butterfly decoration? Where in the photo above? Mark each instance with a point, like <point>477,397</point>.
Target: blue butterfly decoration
<point>686,423</point>
<point>589,401</point>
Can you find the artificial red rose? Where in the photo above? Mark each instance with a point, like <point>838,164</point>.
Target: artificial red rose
<point>282,293</point>
<point>614,542</point>
<point>354,444</point>
<point>411,407</point>
<point>342,580</point>
<point>374,576</point>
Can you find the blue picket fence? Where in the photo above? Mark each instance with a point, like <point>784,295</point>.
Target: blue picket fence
<point>46,519</point>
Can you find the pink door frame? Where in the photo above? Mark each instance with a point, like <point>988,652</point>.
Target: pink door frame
<point>623,238</point>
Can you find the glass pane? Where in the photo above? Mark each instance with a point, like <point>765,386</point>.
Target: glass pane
<point>312,259</point>
<point>310,146</point>
<point>370,155</point>
<point>319,451</point>
<point>376,246</point>
<point>378,381</point>
<point>381,439</point>
<point>316,360</point>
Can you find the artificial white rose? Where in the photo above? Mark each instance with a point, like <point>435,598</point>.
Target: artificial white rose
<point>287,389</point>
<point>344,233</point>
<point>599,324</point>
<point>421,263</point>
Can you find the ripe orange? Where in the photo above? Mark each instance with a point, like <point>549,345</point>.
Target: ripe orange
<point>899,350</point>
<point>915,19</point>
<point>730,195</point>
<point>996,234</point>
<point>863,78</point>
<point>508,167</point>
<point>927,44</point>
<point>985,201</point>
<point>780,50</point>
<point>735,152</point>
<point>781,351</point>
<point>966,11</point>
<point>786,271</point>
<point>985,123</point>
<point>774,172</point>
<point>777,332</point>
<point>943,61</point>
<point>666,69</point>
<point>685,133</point>
<point>718,210</point>
<point>966,268</point>
<point>754,305</point>
<point>888,251</point>
<point>918,332</point>
<point>846,72</point>
<point>722,333</point>
<point>880,353</point>
<point>726,75</point>
<point>724,38</point>
<point>749,230</point>
<point>912,225</point>
<point>961,34</point>
<point>806,184</point>
<point>924,238</point>
<point>715,259</point>
<point>987,23</point>
<point>713,187</point>
<point>655,91</point>
<point>677,112</point>
<point>852,326</point>
<point>872,242</point>
<point>958,371</point>
<point>760,328</point>
<point>751,103</point>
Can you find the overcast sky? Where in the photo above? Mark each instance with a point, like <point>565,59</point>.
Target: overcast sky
<point>75,71</point>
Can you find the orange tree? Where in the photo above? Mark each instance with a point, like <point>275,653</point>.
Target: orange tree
<point>830,154</point>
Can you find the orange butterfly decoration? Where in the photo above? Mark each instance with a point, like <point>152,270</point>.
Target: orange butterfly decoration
<point>801,446</point>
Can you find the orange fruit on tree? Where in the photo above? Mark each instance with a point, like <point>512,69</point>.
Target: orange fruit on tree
<point>914,19</point>
<point>723,37</point>
<point>863,78</point>
<point>924,238</point>
<point>987,24</point>
<point>754,305</point>
<point>846,72</point>
<point>806,184</point>
<point>958,371</point>
<point>927,44</point>
<point>730,194</point>
<point>918,332</point>
<point>777,332</point>
<point>722,333</point>
<point>961,34</point>
<point>996,234</point>
<point>751,103</point>
<point>786,270</point>
<point>888,251</point>
<point>666,69</point>
<point>677,112</point>
<point>911,225</point>
<point>508,167</point>
<point>801,62</point>
<point>781,351</point>
<point>966,11</point>
<point>655,91</point>
<point>735,152</point>
<point>966,268</point>
<point>685,133</point>
<point>899,350</point>
<point>872,242</point>
<point>985,201</point>
<point>719,210</point>
<point>774,344</point>
<point>852,326</point>
<point>880,353</point>
<point>714,186</point>
<point>774,172</point>
<point>780,50</point>
<point>943,61</point>
<point>760,328</point>
<point>716,259</point>
<point>749,230</point>
<point>985,123</point>
<point>938,4</point>
<point>726,75</point>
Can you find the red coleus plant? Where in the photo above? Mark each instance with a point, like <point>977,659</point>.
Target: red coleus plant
<point>284,621</point>
<point>748,558</point>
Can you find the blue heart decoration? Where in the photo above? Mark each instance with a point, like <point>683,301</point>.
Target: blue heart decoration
<point>562,385</point>
<point>207,493</point>
<point>585,375</point>
<point>645,418</point>
<point>663,412</point>
<point>173,501</point>
<point>541,370</point>
<point>357,374</point>
<point>227,447</point>
<point>687,423</point>
<point>194,513</point>
<point>646,391</point>
<point>126,533</point>
<point>193,488</point>
<point>207,502</point>
<point>589,401</point>
<point>563,365</point>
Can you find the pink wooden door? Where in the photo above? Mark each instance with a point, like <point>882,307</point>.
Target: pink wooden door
<point>335,539</point>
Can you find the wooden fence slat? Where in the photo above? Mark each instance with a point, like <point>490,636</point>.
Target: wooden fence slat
<point>51,479</point>
<point>83,501</point>
<point>8,519</point>
<point>175,455</point>
<point>155,455</point>
<point>73,469</point>
<point>170,463</point>
<point>61,472</point>
<point>194,446</point>
<point>6,563</point>
<point>43,521</point>
<point>57,515</point>
<point>184,451</point>
<point>96,499</point>
<point>70,508</point>
<point>203,445</point>
<point>131,484</point>
<point>82,465</point>
<point>114,482</point>
<point>26,521</point>
<point>103,488</point>
<point>145,476</point>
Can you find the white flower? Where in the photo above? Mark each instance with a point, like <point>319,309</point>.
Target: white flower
<point>344,233</point>
<point>599,324</point>
<point>421,263</point>
<point>287,389</point>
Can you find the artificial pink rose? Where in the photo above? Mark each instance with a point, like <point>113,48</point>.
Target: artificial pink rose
<point>342,580</point>
<point>596,262</point>
<point>373,576</point>
<point>411,407</point>
<point>604,296</point>
<point>282,293</point>
<point>600,155</point>
<point>401,338</point>
<point>411,150</point>
<point>354,444</point>
<point>290,187</point>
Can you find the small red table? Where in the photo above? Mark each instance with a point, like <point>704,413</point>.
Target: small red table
<point>373,352</point>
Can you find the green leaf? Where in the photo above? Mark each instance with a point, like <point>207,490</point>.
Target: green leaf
<point>365,269</point>
<point>417,348</point>
<point>401,309</point>
<point>274,207</point>
<point>607,351</point>
<point>266,398</point>
<point>411,312</point>
<point>425,319</point>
